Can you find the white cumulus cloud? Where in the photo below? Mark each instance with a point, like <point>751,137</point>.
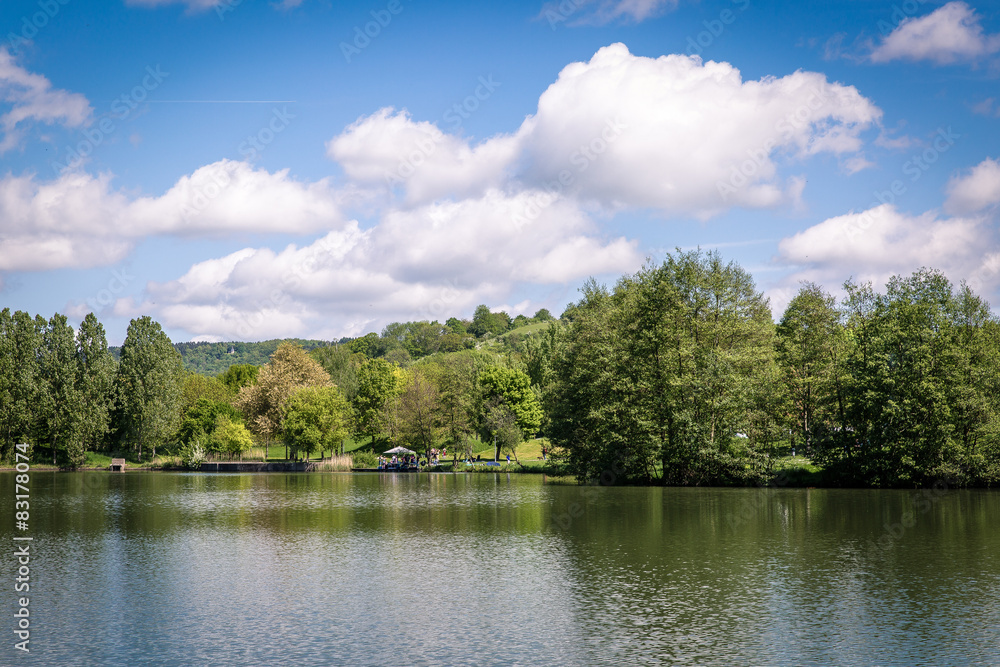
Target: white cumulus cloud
<point>673,133</point>
<point>977,190</point>
<point>424,263</point>
<point>79,220</point>
<point>875,244</point>
<point>952,33</point>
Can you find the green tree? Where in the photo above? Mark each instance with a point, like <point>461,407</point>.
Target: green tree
<point>542,315</point>
<point>423,338</point>
<point>420,413</point>
<point>263,403</point>
<point>668,377</point>
<point>196,386</point>
<point>501,423</point>
<point>60,401</point>
<point>453,342</point>
<point>148,385</point>
<point>96,369</point>
<point>238,376</point>
<point>540,353</point>
<point>231,437</point>
<point>454,375</point>
<point>341,364</point>
<point>369,345</point>
<point>584,405</point>
<point>20,339</point>
<point>379,385</point>
<point>920,377</point>
<point>486,322</point>
<point>201,418</point>
<point>976,399</point>
<point>509,389</point>
<point>316,419</point>
<point>811,346</point>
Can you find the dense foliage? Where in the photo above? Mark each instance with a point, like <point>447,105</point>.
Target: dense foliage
<point>676,375</point>
<point>215,358</point>
<point>668,377</point>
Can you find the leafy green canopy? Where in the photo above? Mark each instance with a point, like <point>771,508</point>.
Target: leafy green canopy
<point>668,377</point>
<point>316,419</point>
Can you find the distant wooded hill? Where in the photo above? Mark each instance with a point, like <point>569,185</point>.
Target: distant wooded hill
<point>214,358</point>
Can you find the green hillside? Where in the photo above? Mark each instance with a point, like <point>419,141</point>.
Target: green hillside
<point>214,358</point>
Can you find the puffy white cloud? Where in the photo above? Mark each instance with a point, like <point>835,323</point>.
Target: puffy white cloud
<point>32,99</point>
<point>682,135</point>
<point>79,220</point>
<point>975,191</point>
<point>875,244</point>
<point>391,150</point>
<point>949,34</point>
<point>883,239</point>
<point>671,133</point>
<point>425,263</point>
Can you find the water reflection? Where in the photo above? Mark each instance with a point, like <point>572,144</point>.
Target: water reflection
<point>320,569</point>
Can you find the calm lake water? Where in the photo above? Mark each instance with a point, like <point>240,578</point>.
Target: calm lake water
<point>339,569</point>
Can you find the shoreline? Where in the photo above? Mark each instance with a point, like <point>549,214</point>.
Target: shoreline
<point>554,475</point>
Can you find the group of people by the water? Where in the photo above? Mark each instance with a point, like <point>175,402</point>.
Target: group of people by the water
<point>406,461</point>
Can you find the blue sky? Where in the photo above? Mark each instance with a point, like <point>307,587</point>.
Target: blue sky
<point>244,170</point>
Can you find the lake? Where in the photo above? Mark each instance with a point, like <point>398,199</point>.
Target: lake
<point>483,569</point>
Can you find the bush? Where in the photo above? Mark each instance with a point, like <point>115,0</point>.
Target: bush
<point>193,455</point>
<point>364,459</point>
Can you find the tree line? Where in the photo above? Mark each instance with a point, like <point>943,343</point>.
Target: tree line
<point>675,375</point>
<point>678,375</point>
<point>66,393</point>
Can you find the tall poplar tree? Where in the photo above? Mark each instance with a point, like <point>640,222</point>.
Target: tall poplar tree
<point>148,385</point>
<point>96,369</point>
<point>20,339</point>
<point>59,399</point>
